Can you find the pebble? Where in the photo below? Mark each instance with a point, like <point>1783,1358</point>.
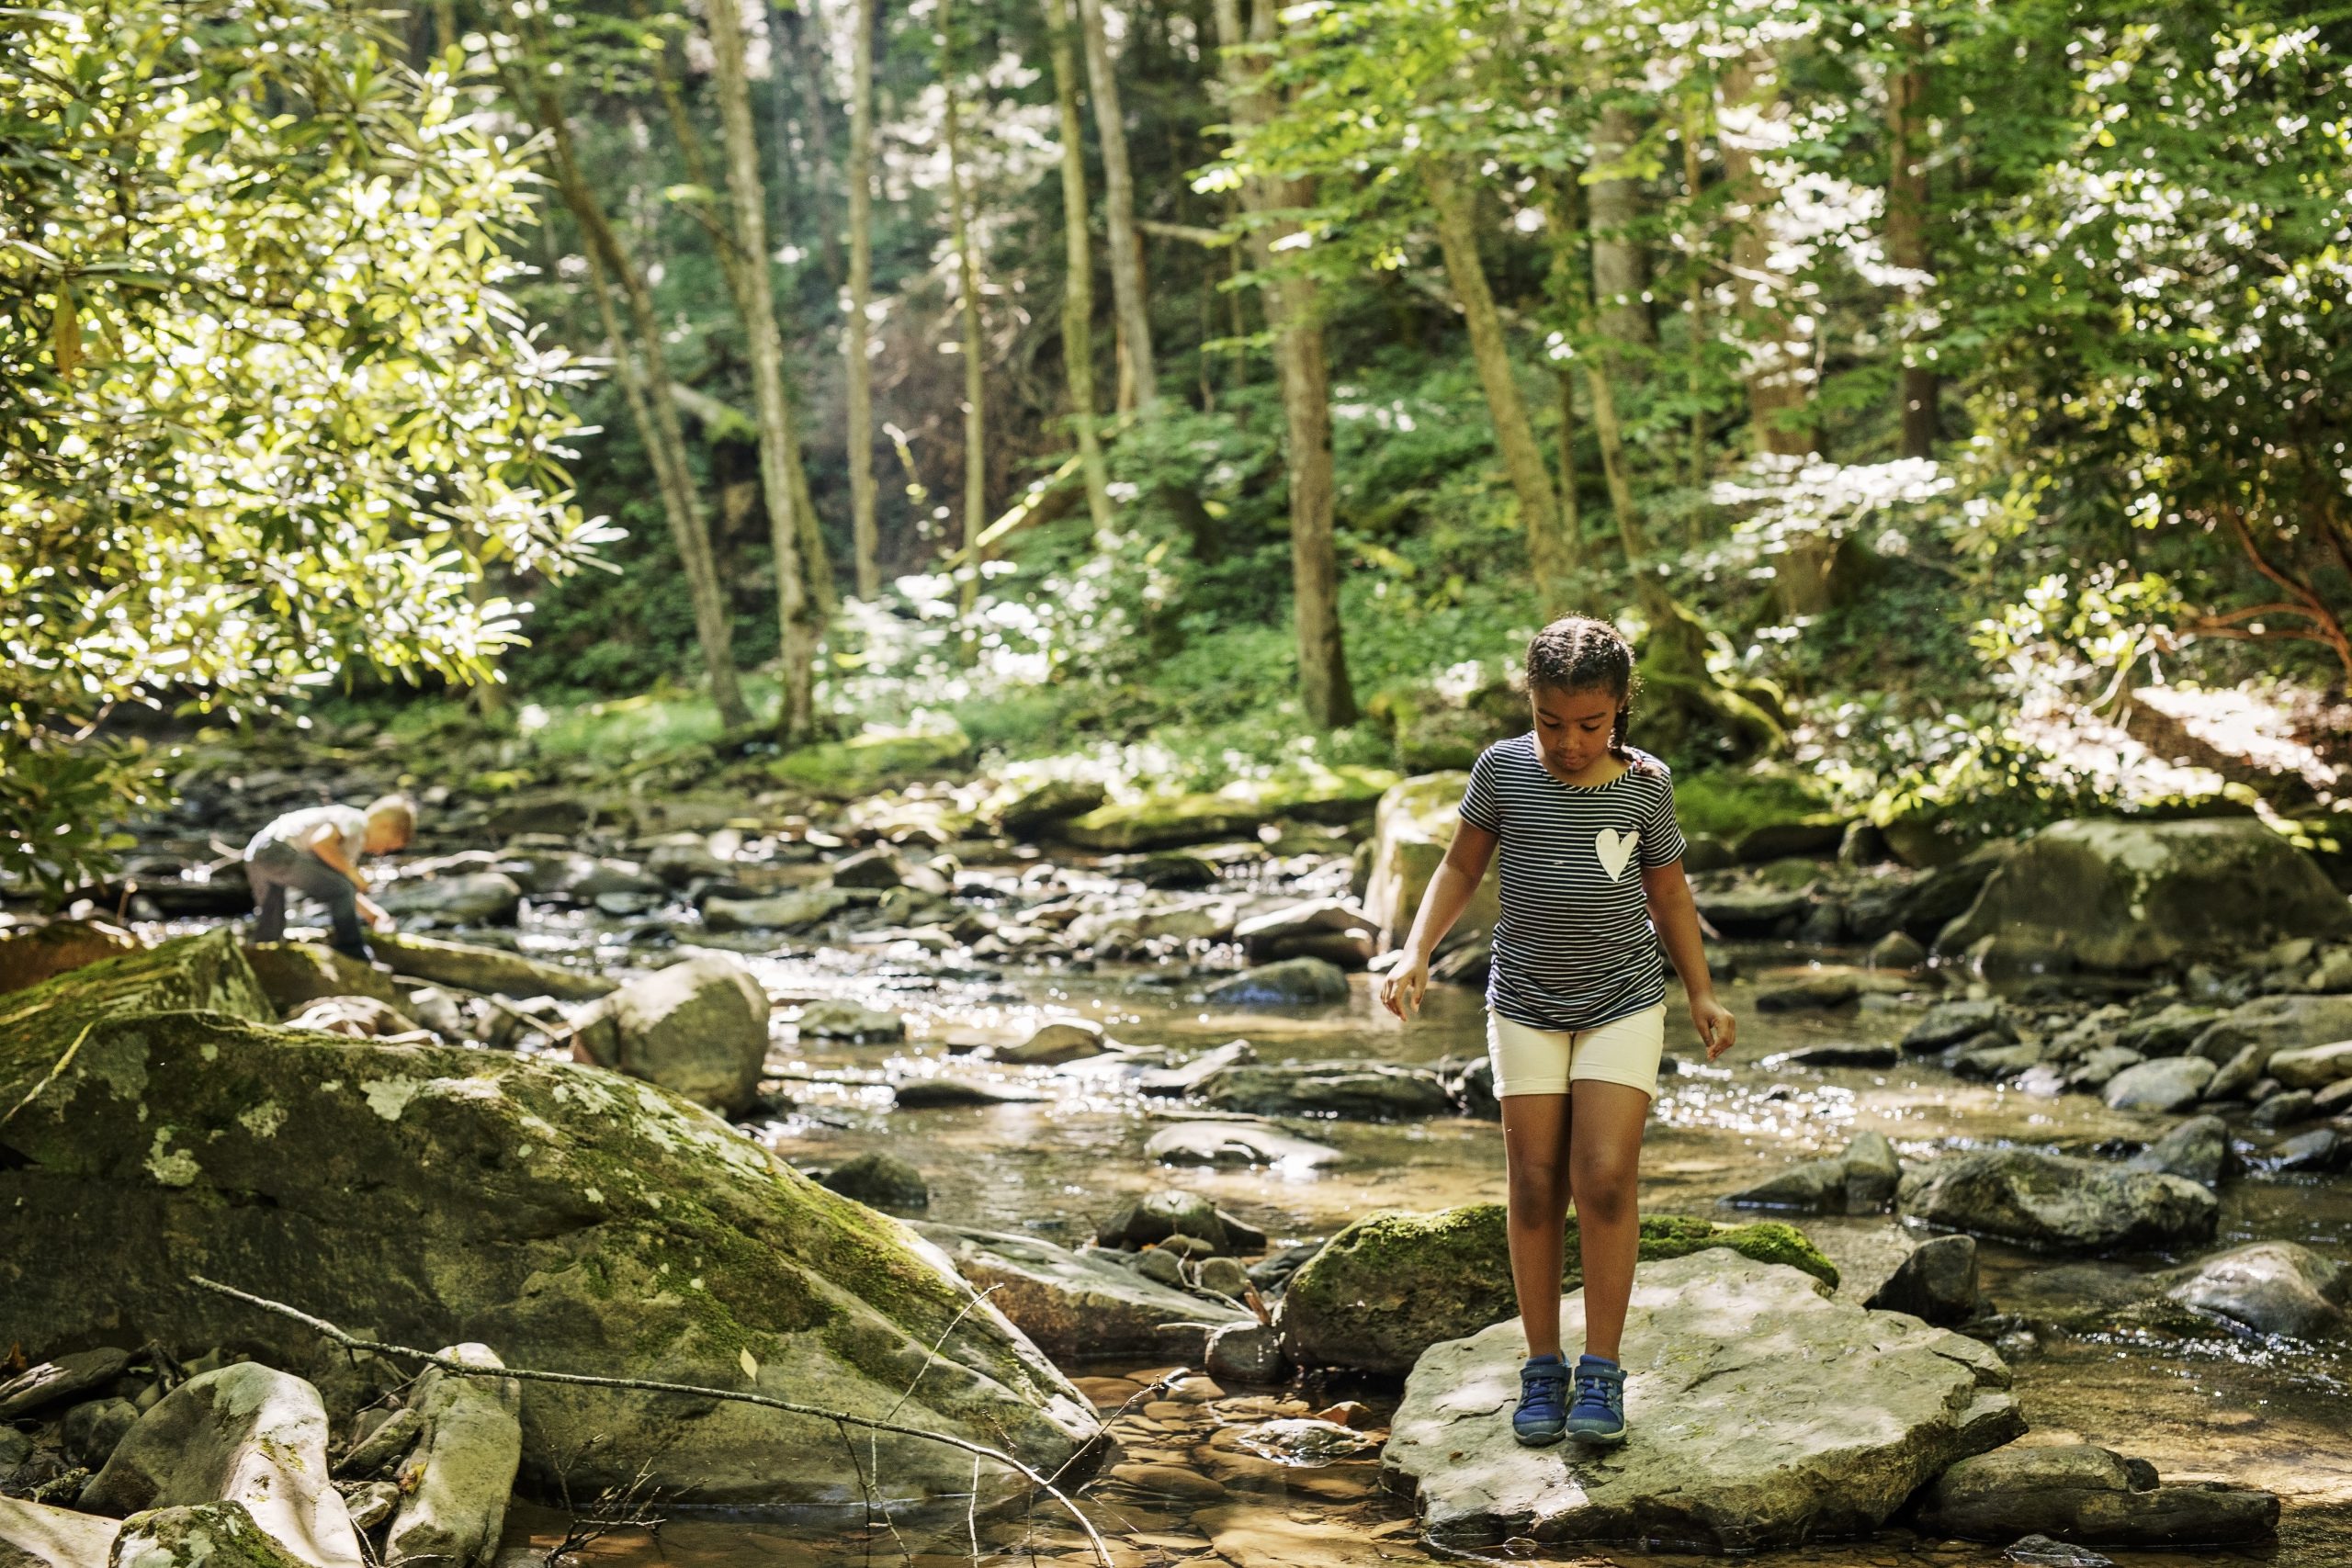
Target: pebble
<point>1170,1481</point>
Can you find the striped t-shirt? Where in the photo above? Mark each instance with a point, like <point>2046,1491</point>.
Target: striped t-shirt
<point>1573,947</point>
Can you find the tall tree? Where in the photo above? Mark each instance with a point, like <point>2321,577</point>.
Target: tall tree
<point>1906,224</point>
<point>1129,301</point>
<point>803,39</point>
<point>1620,265</point>
<point>1078,291</point>
<point>779,457</point>
<point>1751,119</point>
<point>1291,311</point>
<point>967,271</point>
<point>858,332</point>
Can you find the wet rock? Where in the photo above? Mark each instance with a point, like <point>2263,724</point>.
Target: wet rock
<point>848,1021</point>
<point>1821,993</point>
<point>2169,1032</point>
<point>1246,1352</point>
<point>1034,806</point>
<point>573,1211</point>
<point>698,1029</point>
<point>204,1535</point>
<point>1267,1535</point>
<point>1858,1180</point>
<point>2237,1075</point>
<point>1328,929</point>
<point>1305,1440</point>
<point>34,1536</point>
<point>1063,1039</point>
<point>1986,1060</point>
<point>436,1010</point>
<point>2335,1100</point>
<point>2053,1203</point>
<point>1371,1091</point>
<point>477,898</point>
<point>2196,1149</point>
<point>1936,1283</point>
<point>90,1431</point>
<point>1155,1216</point>
<point>1178,870</point>
<point>1235,1144</point>
<point>2270,1286</point>
<point>1949,1023</point>
<point>934,1094</point>
<point>1170,1481</point>
<point>2283,1110</point>
<point>1224,1276</point>
<point>355,1017</point>
<point>2332,973</point>
<point>2168,1083</point>
<point>879,868</point>
<point>488,970</point>
<point>1837,1054</point>
<point>1772,1415</point>
<point>371,1503</point>
<point>882,1179</point>
<point>2041,1551</point>
<point>2097,1068</point>
<point>56,1382</point>
<point>680,860</point>
<point>1391,1285</point>
<point>1074,1305</point>
<point>471,1449</point>
<point>2079,1492</point>
<point>2314,1066</point>
<point>1187,1079</point>
<point>1751,910</point>
<point>244,1433</point>
<point>2137,896</point>
<point>2321,1148</point>
<point>1898,951</point>
<point>1293,982</point>
<point>2282,1023</point>
<point>30,954</point>
<point>784,912</point>
<point>1412,828</point>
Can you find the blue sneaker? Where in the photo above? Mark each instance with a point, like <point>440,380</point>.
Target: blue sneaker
<point>1599,1414</point>
<point>1543,1413</point>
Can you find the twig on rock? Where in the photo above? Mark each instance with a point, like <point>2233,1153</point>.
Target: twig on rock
<point>641,1385</point>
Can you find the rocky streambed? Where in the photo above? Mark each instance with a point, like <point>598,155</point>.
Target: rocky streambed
<point>1150,1141</point>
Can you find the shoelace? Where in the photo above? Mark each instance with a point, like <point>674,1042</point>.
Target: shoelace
<point>1543,1391</point>
<point>1594,1387</point>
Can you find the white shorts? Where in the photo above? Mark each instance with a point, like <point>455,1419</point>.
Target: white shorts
<point>1544,1061</point>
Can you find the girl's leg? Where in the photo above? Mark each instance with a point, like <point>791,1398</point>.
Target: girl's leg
<point>1606,1121</point>
<point>1536,1150</point>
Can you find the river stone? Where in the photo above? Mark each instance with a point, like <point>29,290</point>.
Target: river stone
<point>1861,1179</point>
<point>1074,1305</point>
<point>1345,793</point>
<point>1293,982</point>
<point>784,912</point>
<point>1246,1352</point>
<point>2169,1032</point>
<point>1155,1216</point>
<point>385,1446</point>
<point>1182,1080</point>
<point>1062,1041</point>
<point>2284,1109</point>
<point>849,1021</point>
<point>1767,1414</point>
<point>863,764</point>
<point>355,1017</point>
<point>472,1446</point>
<point>932,1094</point>
<point>91,1430</point>
<point>205,972</point>
<point>33,1535</point>
<point>475,898</point>
<point>1033,804</point>
<point>60,1379</point>
<point>1370,1091</point>
<point>203,1535</point>
<point>30,954</point>
<point>1936,1282</point>
<point>2237,1075</point>
<point>881,1178</point>
<point>2321,1148</point>
<point>2081,1493</point>
<point>1391,1284</point>
<point>574,1219</point>
<point>2313,1067</point>
<point>698,1029</point>
<point>1236,1144</point>
<point>1329,928</point>
<point>1949,1023</point>
<point>2271,1287</point>
<point>2053,1203</point>
<point>489,970</point>
<point>244,1433</point>
<point>2277,1022</point>
<point>1412,828</point>
<point>2168,1083</point>
<point>2139,896</point>
<point>2198,1149</point>
<point>1820,993</point>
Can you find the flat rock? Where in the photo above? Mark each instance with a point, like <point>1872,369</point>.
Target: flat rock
<point>1080,1304</point>
<point>473,898</point>
<point>2053,1203</point>
<point>2278,1023</point>
<point>1175,1082</point>
<point>932,1094</point>
<point>33,1535</point>
<point>1236,1144</point>
<point>490,970</point>
<point>2270,1286</point>
<point>1765,1414</point>
<point>1949,1023</point>
<point>784,912</point>
<point>698,1029</point>
<point>2314,1066</point>
<point>2196,1149</point>
<point>849,1021</point>
<point>1353,1090</point>
<point>1062,1041</point>
<point>1837,1054</point>
<point>2168,1083</point>
<point>2077,1492</point>
<point>67,1377</point>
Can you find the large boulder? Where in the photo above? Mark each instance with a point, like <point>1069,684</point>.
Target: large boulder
<point>30,954</point>
<point>205,972</point>
<point>469,898</point>
<point>1391,1285</point>
<point>472,1444</point>
<point>2137,896</point>
<point>33,1535</point>
<point>1081,1303</point>
<point>698,1029</point>
<point>572,1219</point>
<point>293,975</point>
<point>244,1433</point>
<point>1411,831</point>
<point>2270,1286</point>
<point>1765,1414</point>
<point>1342,794</point>
<point>843,769</point>
<point>2274,1023</point>
<point>2314,1066</point>
<point>490,970</point>
<point>2091,1496</point>
<point>2053,1203</point>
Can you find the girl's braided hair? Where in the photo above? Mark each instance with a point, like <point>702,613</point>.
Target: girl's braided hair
<point>1577,653</point>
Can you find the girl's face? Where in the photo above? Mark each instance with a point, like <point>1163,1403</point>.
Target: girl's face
<point>1572,727</point>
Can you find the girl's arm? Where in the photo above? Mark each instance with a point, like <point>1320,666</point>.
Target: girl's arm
<point>1449,893</point>
<point>1677,920</point>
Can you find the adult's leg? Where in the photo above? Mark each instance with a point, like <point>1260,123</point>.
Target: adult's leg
<point>1535,1152</point>
<point>1605,1132</point>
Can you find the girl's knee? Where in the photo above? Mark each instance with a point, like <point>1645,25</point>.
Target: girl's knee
<point>1535,1185</point>
<point>1605,1184</point>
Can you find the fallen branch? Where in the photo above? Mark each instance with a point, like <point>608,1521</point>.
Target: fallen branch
<point>450,1364</point>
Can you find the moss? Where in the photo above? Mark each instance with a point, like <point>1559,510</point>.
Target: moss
<point>865,764</point>
<point>1726,803</point>
<point>207,972</point>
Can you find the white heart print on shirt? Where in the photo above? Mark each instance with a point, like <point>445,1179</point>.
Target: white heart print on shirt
<point>1614,849</point>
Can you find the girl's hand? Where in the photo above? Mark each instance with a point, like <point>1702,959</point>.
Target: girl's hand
<point>1716,1026</point>
<point>1402,988</point>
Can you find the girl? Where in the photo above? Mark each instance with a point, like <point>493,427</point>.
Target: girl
<point>1591,882</point>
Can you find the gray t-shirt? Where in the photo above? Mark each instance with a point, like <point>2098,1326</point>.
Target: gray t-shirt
<point>299,828</point>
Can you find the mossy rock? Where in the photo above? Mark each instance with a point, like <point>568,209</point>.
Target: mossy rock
<point>1346,793</point>
<point>295,974</point>
<point>205,972</point>
<point>30,954</point>
<point>1392,1284</point>
<point>843,769</point>
<point>572,1219</point>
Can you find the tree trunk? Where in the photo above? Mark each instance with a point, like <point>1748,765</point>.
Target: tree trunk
<point>1077,296</point>
<point>968,273</point>
<point>1324,689</point>
<point>807,33</point>
<point>1906,226</point>
<point>1457,232</point>
<point>779,456</point>
<point>859,328</point>
<point>1620,265</point>
<point>1571,518</point>
<point>1129,301</point>
<point>1752,118</point>
<point>645,379</point>
<point>1693,128</point>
